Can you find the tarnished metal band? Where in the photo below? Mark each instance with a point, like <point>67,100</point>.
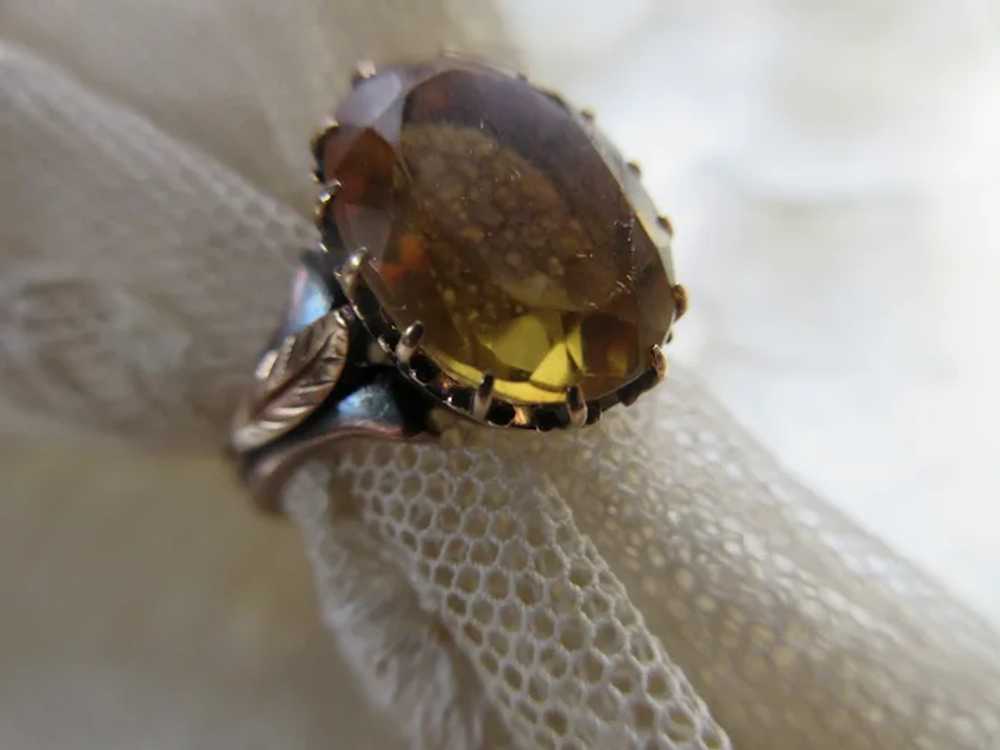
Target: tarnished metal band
<point>314,385</point>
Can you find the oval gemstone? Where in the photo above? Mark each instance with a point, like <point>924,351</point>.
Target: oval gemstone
<point>503,222</point>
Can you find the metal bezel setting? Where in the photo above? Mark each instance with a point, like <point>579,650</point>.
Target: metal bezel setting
<point>403,350</point>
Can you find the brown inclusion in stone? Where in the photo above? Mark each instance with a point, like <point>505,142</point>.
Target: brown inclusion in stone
<point>499,219</point>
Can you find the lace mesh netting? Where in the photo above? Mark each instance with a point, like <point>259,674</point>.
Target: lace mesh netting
<point>553,573</point>
<point>626,585</point>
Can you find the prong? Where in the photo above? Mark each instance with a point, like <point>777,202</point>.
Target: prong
<point>483,398</point>
<point>316,144</point>
<point>555,96</point>
<point>363,70</point>
<point>658,360</point>
<point>409,341</point>
<point>593,413</point>
<point>665,224</point>
<point>680,301</point>
<point>350,272</point>
<point>587,114</point>
<point>524,415</point>
<point>629,393</point>
<point>323,202</point>
<point>636,168</point>
<point>576,405</point>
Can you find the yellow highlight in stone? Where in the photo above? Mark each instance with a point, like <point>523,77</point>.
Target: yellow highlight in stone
<point>516,391</point>
<point>522,343</point>
<point>555,371</point>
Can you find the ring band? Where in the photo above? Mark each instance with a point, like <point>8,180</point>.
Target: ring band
<point>484,249</point>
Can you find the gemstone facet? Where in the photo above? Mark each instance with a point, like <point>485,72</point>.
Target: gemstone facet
<point>500,220</point>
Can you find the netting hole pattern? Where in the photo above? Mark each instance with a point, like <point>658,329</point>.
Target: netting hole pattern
<point>563,653</point>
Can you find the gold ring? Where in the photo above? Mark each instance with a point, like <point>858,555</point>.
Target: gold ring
<point>483,249</point>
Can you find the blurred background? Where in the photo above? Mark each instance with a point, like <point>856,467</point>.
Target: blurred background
<point>833,174</point>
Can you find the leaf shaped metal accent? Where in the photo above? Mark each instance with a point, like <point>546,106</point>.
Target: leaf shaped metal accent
<point>292,381</point>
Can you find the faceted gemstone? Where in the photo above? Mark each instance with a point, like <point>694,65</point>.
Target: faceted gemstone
<point>503,222</point>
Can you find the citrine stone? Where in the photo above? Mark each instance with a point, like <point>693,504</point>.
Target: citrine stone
<point>502,221</point>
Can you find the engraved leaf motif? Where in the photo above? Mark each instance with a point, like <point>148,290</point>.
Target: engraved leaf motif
<point>293,381</point>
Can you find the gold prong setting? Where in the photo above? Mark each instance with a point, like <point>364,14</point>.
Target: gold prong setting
<point>658,361</point>
<point>316,145</point>
<point>665,225</point>
<point>349,275</point>
<point>409,342</point>
<point>576,406</point>
<point>680,301</point>
<point>363,70</point>
<point>483,398</point>
<point>323,207</point>
<point>405,350</point>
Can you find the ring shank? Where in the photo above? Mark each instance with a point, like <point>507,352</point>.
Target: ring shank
<point>367,399</point>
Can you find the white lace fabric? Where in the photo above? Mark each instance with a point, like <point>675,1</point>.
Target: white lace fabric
<point>655,581</point>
